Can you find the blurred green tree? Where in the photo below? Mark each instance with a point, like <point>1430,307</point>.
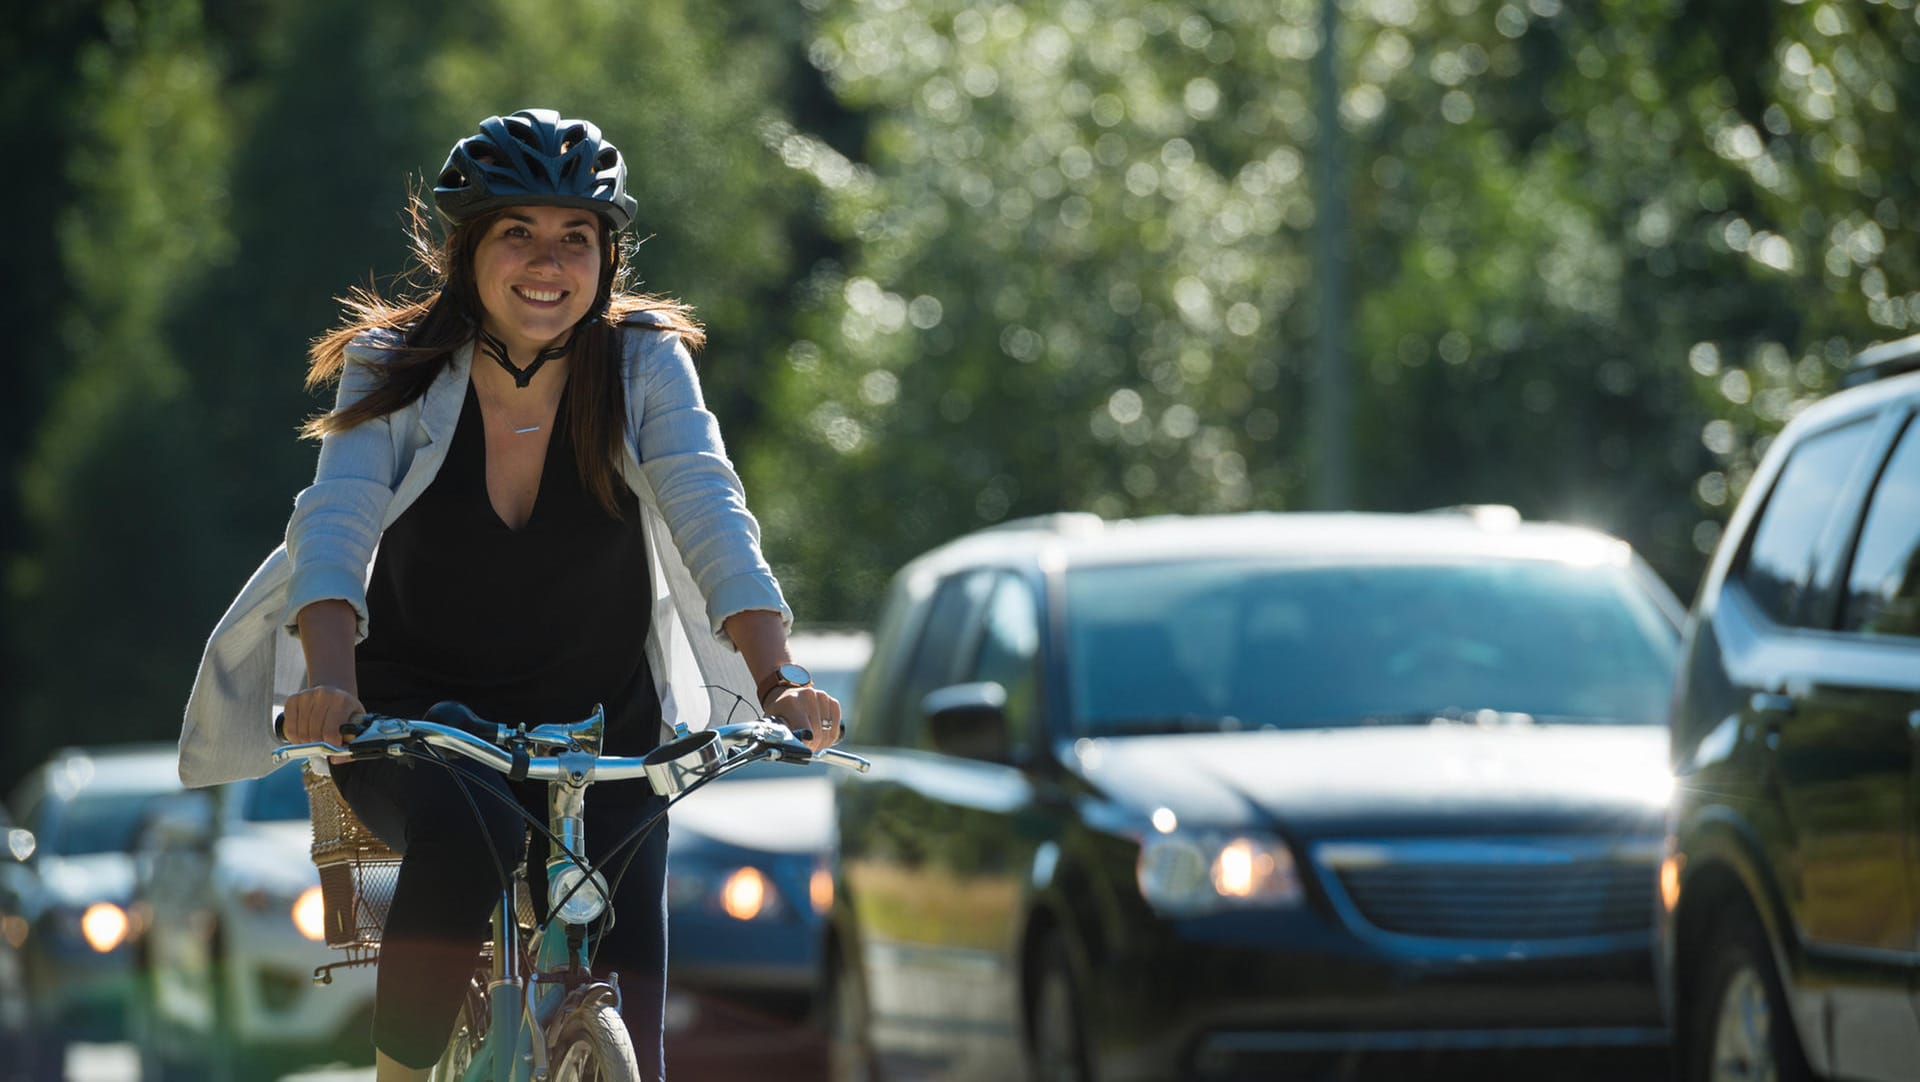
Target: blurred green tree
<point>106,500</point>
<point>228,180</point>
<point>1598,252</point>
<point>1014,257</point>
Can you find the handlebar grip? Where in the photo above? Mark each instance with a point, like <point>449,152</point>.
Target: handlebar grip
<point>348,729</point>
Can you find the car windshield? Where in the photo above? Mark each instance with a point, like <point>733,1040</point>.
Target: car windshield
<point>100,821</point>
<point>1205,646</point>
<point>280,796</point>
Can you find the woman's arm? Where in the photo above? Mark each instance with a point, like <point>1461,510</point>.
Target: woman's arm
<point>332,694</point>
<point>337,520</point>
<point>761,637</point>
<point>679,448</point>
<point>335,525</point>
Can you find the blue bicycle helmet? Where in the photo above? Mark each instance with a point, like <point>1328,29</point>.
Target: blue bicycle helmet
<point>534,157</point>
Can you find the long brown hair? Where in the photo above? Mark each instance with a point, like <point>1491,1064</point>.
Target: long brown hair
<point>442,312</point>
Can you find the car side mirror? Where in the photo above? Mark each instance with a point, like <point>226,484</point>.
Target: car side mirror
<point>970,721</point>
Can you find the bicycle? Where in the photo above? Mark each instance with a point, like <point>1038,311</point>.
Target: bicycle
<point>541,1015</point>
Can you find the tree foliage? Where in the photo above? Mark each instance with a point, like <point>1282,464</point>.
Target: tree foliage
<point>961,261</point>
<point>225,180</point>
<point>1598,251</point>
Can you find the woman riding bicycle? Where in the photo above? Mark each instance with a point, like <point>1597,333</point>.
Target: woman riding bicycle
<point>557,525</point>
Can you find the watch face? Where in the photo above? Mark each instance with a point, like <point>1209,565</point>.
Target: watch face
<point>795,675</point>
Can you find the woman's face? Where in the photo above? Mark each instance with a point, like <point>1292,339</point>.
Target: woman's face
<point>537,270</point>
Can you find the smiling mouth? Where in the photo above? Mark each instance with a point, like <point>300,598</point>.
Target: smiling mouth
<point>540,296</point>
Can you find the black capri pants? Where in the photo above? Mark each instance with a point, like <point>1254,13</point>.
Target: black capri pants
<point>448,885</point>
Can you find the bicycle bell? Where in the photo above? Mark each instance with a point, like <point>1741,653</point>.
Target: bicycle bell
<point>679,764</point>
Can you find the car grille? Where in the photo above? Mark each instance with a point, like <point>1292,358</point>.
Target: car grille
<point>1497,891</point>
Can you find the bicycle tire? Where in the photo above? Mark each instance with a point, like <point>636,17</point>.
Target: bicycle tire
<point>593,1046</point>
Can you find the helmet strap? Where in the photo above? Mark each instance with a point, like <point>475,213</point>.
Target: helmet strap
<point>492,346</point>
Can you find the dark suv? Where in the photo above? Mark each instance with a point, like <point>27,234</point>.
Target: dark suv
<point>1790,936</point>
<point>1239,795</point>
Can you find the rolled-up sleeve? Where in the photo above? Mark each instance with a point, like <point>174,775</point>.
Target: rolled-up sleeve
<point>700,496</point>
<point>336,520</point>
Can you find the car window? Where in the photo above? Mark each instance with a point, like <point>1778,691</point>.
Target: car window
<point>936,660</point>
<point>279,797</point>
<point>1229,645</point>
<point>1009,653</point>
<point>1883,587</point>
<point>99,821</point>
<point>1786,540</point>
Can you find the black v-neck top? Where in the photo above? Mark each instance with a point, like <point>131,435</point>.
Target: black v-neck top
<point>532,625</point>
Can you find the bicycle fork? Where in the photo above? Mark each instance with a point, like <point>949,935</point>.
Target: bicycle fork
<point>518,1000</point>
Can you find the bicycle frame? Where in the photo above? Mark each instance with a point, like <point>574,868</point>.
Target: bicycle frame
<point>511,1010</point>
<point>534,987</point>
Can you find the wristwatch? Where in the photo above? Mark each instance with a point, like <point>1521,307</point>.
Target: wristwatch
<point>788,675</point>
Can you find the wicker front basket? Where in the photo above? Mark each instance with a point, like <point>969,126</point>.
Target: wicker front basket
<point>357,870</point>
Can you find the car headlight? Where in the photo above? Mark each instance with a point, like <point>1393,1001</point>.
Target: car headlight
<point>1186,874</point>
<point>104,926</point>
<point>310,914</point>
<point>741,891</point>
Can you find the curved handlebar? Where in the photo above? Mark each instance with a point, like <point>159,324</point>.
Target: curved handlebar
<point>669,767</point>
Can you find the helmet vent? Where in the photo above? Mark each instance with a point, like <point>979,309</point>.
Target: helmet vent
<point>523,131</point>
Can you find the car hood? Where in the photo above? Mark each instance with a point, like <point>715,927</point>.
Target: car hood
<point>774,815</point>
<point>83,880</point>
<point>1433,779</point>
<point>273,855</point>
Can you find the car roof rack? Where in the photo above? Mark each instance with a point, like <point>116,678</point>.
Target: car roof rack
<point>1882,361</point>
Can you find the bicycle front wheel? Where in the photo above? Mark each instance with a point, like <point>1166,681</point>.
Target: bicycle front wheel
<point>593,1047</point>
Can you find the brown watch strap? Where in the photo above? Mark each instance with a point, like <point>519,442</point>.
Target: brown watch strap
<point>773,682</point>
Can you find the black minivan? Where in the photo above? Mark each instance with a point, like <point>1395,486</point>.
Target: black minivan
<point>1242,796</point>
<point>1790,924</point>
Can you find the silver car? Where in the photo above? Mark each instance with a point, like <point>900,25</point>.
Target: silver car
<point>234,934</point>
